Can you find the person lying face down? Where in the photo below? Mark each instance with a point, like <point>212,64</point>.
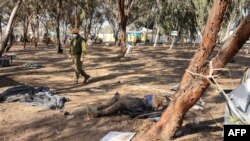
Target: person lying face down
<point>118,102</point>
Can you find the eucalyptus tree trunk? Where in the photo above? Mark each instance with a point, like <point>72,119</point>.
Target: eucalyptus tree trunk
<point>65,32</point>
<point>1,30</point>
<point>157,36</point>
<point>123,24</point>
<point>37,24</point>
<point>60,50</point>
<point>11,41</point>
<point>10,26</point>
<point>26,24</point>
<point>25,30</point>
<point>172,44</point>
<point>192,87</point>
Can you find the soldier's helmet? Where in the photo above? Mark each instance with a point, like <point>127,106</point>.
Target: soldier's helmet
<point>75,30</point>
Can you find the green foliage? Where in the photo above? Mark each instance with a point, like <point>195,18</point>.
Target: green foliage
<point>187,17</point>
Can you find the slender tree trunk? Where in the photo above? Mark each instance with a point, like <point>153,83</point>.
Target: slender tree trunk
<point>37,24</point>
<point>152,36</point>
<point>146,36</point>
<point>1,30</point>
<point>9,26</point>
<point>200,34</point>
<point>33,29</point>
<point>60,50</point>
<point>172,44</point>
<point>123,24</point>
<point>227,34</point>
<point>11,41</point>
<point>88,27</point>
<point>65,33</point>
<point>25,31</point>
<point>86,33</point>
<point>76,15</point>
<point>98,30</point>
<point>191,87</point>
<point>116,35</point>
<point>46,27</point>
<point>157,35</point>
<point>26,24</point>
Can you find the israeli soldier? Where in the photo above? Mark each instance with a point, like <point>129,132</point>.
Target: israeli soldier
<point>77,53</point>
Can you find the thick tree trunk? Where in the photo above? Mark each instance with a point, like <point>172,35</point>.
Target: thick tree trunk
<point>191,87</point>
<point>123,24</point>
<point>60,50</point>
<point>9,26</point>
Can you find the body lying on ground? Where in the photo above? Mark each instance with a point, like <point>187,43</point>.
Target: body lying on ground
<point>125,103</point>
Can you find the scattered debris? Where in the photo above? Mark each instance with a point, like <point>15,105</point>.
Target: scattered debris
<point>196,120</point>
<point>107,44</point>
<point>10,56</point>
<point>41,96</point>
<point>178,133</point>
<point>199,105</point>
<point>174,86</point>
<point>31,65</point>
<point>245,51</point>
<point>154,118</point>
<point>129,48</point>
<point>97,90</point>
<point>118,136</point>
<point>121,81</point>
<point>237,109</point>
<point>4,62</point>
<point>57,131</point>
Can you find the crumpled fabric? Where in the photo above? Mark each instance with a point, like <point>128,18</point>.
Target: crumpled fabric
<point>41,96</point>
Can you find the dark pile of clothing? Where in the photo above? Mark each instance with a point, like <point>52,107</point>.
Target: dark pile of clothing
<point>41,96</point>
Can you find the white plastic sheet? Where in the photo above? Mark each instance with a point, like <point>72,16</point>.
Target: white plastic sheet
<point>118,136</point>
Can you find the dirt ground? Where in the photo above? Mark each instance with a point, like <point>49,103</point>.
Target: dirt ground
<point>147,70</point>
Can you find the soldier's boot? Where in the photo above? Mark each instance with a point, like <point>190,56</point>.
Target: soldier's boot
<point>86,77</point>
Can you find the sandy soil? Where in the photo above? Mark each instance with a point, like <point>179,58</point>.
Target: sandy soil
<point>147,70</point>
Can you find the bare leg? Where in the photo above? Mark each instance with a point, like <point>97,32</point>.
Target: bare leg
<point>110,102</point>
<point>122,103</point>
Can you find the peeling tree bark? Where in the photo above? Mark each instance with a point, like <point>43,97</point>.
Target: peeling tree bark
<point>9,26</point>
<point>191,88</point>
<point>123,23</point>
<point>157,35</point>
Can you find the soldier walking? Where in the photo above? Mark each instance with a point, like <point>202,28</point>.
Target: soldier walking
<point>77,53</point>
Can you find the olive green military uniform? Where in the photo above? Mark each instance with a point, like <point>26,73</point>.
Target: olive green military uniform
<point>77,51</point>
